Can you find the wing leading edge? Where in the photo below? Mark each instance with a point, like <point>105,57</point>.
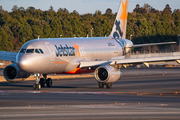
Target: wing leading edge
<point>9,56</point>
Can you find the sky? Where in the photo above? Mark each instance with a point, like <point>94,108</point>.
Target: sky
<point>87,6</point>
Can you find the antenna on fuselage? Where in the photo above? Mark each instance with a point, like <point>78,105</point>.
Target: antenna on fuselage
<point>38,37</point>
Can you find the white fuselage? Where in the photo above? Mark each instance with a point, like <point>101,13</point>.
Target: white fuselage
<point>61,55</point>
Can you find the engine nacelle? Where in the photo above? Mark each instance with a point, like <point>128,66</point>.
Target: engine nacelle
<point>107,74</point>
<point>13,74</point>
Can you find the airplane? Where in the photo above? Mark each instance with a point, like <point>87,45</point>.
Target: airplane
<point>101,55</point>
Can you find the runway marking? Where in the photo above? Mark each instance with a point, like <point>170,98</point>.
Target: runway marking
<point>85,92</point>
<point>90,113</point>
<point>93,113</point>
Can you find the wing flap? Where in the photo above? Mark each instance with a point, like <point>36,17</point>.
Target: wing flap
<point>9,56</point>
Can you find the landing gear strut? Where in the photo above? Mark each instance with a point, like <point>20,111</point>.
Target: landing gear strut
<point>108,85</point>
<point>40,83</point>
<point>101,85</point>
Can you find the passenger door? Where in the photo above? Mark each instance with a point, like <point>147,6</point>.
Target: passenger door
<point>51,51</point>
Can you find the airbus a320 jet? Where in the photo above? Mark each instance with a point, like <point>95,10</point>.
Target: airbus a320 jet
<point>100,55</point>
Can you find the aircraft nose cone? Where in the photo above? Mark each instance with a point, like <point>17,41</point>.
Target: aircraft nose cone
<point>23,64</point>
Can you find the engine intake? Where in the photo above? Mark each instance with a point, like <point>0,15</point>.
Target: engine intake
<point>13,74</point>
<point>107,74</point>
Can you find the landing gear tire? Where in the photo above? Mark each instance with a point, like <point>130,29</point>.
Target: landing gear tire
<point>34,86</point>
<point>108,85</point>
<point>38,86</point>
<point>49,82</point>
<point>42,82</point>
<point>101,85</point>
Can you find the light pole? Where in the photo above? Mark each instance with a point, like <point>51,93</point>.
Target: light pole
<point>178,42</point>
<point>60,36</point>
<point>91,31</point>
<point>130,37</point>
<point>130,48</point>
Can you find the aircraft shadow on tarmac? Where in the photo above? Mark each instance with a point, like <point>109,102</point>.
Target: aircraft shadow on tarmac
<point>24,84</point>
<point>13,84</point>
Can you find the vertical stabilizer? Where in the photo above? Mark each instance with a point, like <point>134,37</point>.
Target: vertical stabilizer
<point>119,28</point>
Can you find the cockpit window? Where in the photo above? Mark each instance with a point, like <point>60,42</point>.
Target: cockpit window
<point>23,51</point>
<point>37,51</point>
<point>41,51</point>
<point>30,51</point>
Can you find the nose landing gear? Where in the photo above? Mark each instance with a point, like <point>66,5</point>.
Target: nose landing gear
<point>37,86</point>
<point>40,83</point>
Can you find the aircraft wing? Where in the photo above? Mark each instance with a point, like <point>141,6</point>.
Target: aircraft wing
<point>93,63</point>
<point>130,61</point>
<point>9,56</point>
<point>150,44</point>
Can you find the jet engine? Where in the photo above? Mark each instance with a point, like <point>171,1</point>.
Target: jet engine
<point>13,74</point>
<point>107,74</point>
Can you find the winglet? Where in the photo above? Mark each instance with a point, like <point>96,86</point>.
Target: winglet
<point>119,28</point>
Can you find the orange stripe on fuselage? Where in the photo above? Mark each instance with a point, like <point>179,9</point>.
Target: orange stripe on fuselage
<point>62,62</point>
<point>80,71</point>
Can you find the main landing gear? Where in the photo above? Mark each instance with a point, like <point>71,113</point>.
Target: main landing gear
<point>41,82</point>
<point>108,85</point>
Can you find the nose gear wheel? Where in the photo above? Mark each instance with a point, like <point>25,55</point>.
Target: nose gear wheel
<point>40,83</point>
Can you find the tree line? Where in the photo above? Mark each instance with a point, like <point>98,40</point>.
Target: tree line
<point>145,25</point>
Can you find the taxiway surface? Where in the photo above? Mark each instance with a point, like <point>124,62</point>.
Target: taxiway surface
<point>140,94</point>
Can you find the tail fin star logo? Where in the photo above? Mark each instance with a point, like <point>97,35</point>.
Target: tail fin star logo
<point>76,49</point>
<point>124,13</point>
